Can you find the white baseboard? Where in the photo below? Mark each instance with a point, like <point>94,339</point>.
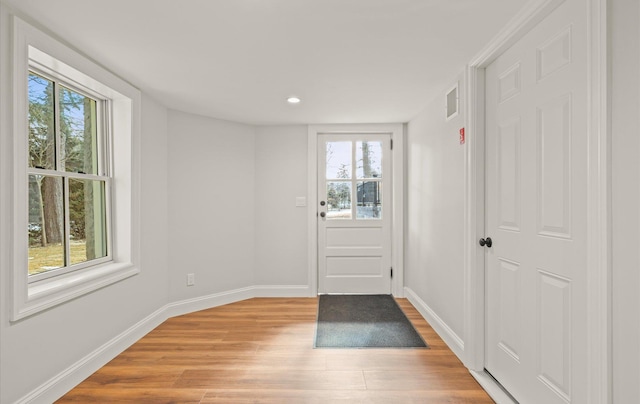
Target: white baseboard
<point>66,380</point>
<point>281,291</point>
<point>456,344</point>
<point>493,389</point>
<point>453,341</point>
<point>206,302</point>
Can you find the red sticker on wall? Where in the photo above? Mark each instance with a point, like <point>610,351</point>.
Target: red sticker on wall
<point>461,135</point>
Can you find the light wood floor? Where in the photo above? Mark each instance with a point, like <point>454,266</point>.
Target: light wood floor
<point>261,351</point>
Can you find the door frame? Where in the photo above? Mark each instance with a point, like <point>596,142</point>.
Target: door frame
<point>396,131</point>
<point>598,193</point>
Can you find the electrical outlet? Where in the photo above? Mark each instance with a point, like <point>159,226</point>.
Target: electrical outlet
<point>191,279</point>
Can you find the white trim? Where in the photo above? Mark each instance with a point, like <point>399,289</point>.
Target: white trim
<point>474,296</point>
<point>398,203</point>
<point>219,299</point>
<point>453,340</point>
<point>32,45</point>
<point>493,388</point>
<point>60,384</point>
<point>397,219</point>
<point>599,232</point>
<point>186,306</point>
<point>598,208</point>
<point>312,210</point>
<point>531,15</point>
<point>281,290</point>
<point>456,344</point>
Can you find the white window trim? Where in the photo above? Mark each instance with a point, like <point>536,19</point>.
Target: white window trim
<point>32,44</point>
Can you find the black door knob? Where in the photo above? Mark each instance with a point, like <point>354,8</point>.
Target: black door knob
<point>322,214</point>
<point>488,242</point>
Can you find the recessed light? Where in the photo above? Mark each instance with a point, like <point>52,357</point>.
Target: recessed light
<point>293,100</point>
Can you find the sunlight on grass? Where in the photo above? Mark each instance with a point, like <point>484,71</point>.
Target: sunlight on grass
<point>42,259</point>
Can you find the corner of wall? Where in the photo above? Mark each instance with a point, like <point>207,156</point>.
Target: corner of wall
<point>435,185</point>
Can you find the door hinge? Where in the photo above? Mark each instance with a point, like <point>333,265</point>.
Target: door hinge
<point>392,272</point>
<point>391,144</point>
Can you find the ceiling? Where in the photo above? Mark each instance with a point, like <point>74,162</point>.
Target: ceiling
<point>351,61</point>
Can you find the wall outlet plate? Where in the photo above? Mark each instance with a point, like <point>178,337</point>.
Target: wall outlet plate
<point>191,279</point>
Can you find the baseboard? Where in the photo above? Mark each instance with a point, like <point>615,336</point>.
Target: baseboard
<point>219,299</point>
<point>64,381</point>
<point>281,291</point>
<point>206,302</point>
<point>456,344</point>
<point>453,341</point>
<point>492,387</point>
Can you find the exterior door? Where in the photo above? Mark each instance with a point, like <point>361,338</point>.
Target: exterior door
<point>536,173</point>
<point>354,214</point>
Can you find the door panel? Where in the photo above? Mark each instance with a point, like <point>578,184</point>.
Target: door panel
<point>536,211</point>
<point>554,167</point>
<point>354,231</point>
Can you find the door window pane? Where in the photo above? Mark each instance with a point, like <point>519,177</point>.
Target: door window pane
<point>339,160</point>
<point>88,224</point>
<point>369,202</point>
<point>369,159</point>
<point>46,224</point>
<point>338,200</point>
<point>78,130</point>
<point>42,145</point>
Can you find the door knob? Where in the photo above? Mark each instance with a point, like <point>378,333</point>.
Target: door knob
<point>322,203</point>
<point>322,214</point>
<point>488,242</point>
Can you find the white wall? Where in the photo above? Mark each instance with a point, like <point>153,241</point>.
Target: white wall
<point>434,260</point>
<point>212,193</point>
<point>625,115</point>
<point>281,227</point>
<point>154,210</point>
<point>218,200</point>
<point>39,347</point>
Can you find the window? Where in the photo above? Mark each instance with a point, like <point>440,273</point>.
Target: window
<point>68,178</point>
<point>75,174</point>
<point>341,162</point>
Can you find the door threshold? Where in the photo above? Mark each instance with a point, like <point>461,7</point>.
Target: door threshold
<point>492,387</point>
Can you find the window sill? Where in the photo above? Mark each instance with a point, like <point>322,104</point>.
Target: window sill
<point>51,292</point>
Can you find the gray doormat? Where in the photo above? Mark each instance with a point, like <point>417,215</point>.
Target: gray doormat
<point>364,321</point>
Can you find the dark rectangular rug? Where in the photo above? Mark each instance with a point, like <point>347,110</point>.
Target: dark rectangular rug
<point>364,321</point>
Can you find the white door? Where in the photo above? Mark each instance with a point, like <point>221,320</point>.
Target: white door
<point>536,160</point>
<point>354,214</point>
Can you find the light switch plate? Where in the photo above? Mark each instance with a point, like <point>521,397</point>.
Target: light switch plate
<point>301,201</point>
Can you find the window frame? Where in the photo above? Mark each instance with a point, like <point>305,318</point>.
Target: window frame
<point>104,170</point>
<point>37,51</point>
<point>354,179</point>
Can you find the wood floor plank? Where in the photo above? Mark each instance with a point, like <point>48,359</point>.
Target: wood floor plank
<point>261,351</point>
<point>452,379</point>
<point>137,376</point>
<point>260,380</point>
<point>414,359</point>
<point>351,397</point>
<point>134,395</point>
